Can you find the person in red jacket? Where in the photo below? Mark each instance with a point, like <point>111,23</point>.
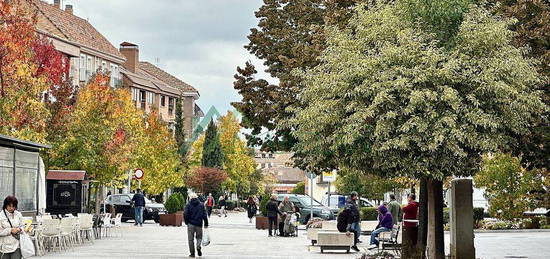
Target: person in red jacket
<point>210,202</point>
<point>410,211</point>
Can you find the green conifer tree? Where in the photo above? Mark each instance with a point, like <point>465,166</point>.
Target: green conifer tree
<point>212,154</point>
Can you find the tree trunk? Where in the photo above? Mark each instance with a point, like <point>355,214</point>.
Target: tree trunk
<point>436,243</point>
<point>422,218</point>
<point>98,199</point>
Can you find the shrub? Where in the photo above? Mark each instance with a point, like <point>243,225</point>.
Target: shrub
<point>174,203</point>
<point>300,188</point>
<point>263,208</point>
<point>230,205</point>
<point>530,223</point>
<point>479,215</point>
<point>446,216</point>
<point>369,213</point>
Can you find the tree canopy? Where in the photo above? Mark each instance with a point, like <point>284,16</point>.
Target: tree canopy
<point>388,97</point>
<point>289,35</point>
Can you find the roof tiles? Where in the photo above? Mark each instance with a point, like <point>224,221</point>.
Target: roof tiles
<point>73,28</point>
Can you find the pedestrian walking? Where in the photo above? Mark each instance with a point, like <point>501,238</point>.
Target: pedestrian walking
<point>210,202</point>
<point>222,203</point>
<point>395,210</point>
<point>11,227</point>
<point>139,203</point>
<point>195,215</point>
<point>272,213</point>
<point>251,208</point>
<point>287,208</point>
<point>344,223</point>
<point>351,203</point>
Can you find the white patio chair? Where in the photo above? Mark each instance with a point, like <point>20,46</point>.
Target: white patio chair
<point>51,234</point>
<point>117,223</point>
<point>67,231</point>
<point>107,224</point>
<point>86,225</point>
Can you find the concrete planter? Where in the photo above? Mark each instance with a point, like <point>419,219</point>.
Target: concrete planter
<point>174,219</point>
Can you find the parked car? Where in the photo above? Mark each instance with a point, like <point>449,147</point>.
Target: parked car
<point>303,203</point>
<point>338,201</point>
<point>123,204</point>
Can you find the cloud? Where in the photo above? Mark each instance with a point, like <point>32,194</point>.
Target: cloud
<point>199,41</point>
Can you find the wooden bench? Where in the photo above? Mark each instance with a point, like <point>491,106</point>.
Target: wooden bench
<point>330,240</point>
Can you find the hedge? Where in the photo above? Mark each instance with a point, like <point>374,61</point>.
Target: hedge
<point>230,205</point>
<point>478,215</point>
<point>369,213</point>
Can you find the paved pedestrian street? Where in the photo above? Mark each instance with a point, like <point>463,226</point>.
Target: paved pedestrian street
<point>234,237</point>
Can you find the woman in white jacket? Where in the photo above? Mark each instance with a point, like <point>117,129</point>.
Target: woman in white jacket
<point>10,228</point>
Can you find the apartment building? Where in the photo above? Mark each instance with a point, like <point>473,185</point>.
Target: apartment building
<point>280,166</point>
<point>87,50</point>
<point>154,89</point>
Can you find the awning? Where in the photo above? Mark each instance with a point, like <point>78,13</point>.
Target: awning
<point>66,175</point>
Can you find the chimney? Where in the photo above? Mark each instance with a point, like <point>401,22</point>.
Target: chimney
<point>131,52</point>
<point>57,4</point>
<point>69,8</point>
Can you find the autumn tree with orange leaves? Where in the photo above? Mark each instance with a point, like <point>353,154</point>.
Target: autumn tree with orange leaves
<point>25,74</point>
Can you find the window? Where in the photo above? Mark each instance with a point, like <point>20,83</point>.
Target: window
<point>162,101</point>
<point>150,97</point>
<point>115,76</point>
<point>89,68</point>
<point>26,174</point>
<point>135,94</point>
<point>104,66</point>
<point>6,171</point>
<point>97,64</point>
<point>82,73</point>
<point>170,105</point>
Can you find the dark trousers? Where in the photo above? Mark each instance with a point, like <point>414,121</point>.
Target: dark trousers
<point>209,210</point>
<point>272,221</point>
<point>194,232</point>
<point>15,255</point>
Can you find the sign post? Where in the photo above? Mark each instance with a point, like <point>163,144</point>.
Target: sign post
<point>138,175</point>
<point>329,177</point>
<point>311,176</point>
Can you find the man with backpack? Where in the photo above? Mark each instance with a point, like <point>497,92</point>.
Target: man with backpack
<point>343,223</point>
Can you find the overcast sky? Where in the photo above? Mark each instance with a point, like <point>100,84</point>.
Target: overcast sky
<point>199,41</point>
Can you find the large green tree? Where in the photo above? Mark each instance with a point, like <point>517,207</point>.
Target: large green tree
<point>400,99</point>
<point>212,153</point>
<point>533,31</point>
<point>289,35</point>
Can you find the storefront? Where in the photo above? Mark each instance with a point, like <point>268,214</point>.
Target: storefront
<point>66,192</point>
<point>20,167</point>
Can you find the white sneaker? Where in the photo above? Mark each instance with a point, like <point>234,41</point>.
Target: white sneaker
<point>372,246</point>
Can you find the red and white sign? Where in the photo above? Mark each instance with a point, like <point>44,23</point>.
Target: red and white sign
<point>138,174</point>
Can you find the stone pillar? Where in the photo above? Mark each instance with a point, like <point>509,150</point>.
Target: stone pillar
<point>462,219</point>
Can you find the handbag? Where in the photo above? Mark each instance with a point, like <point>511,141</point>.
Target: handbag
<point>205,237</point>
<point>16,236</point>
<point>27,246</point>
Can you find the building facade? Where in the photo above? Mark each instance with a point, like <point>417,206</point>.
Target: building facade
<point>154,89</point>
<point>87,50</point>
<point>279,165</point>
